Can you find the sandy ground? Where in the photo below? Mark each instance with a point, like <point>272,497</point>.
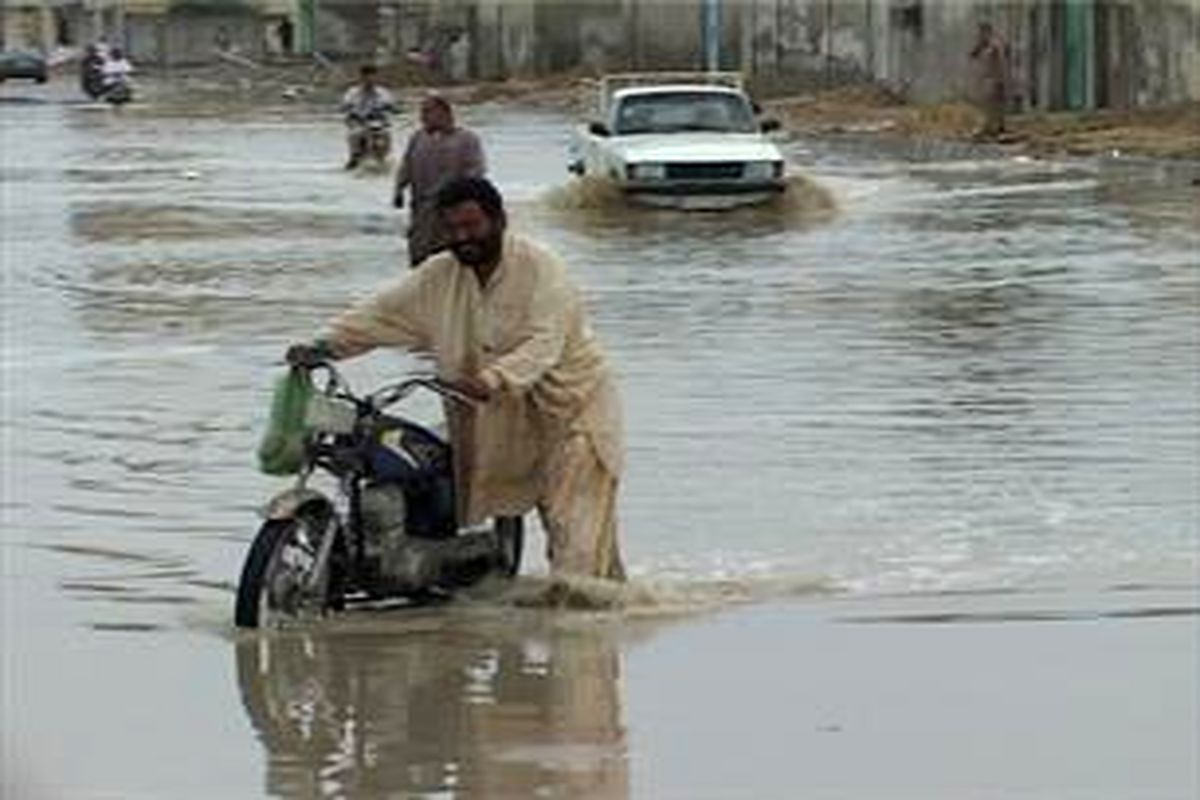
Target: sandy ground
<point>1168,132</point>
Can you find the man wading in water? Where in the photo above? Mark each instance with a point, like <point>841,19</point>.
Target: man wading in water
<point>439,152</point>
<point>508,328</point>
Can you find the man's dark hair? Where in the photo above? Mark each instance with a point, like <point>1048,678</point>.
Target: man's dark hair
<point>438,100</point>
<point>466,190</point>
<point>368,69</point>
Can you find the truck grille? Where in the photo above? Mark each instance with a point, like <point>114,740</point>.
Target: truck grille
<point>718,171</point>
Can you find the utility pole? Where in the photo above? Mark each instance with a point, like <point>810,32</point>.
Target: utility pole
<point>306,23</point>
<point>712,35</point>
<point>828,43</point>
<point>316,26</point>
<point>119,22</point>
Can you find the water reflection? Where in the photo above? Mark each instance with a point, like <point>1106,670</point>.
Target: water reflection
<point>468,712</point>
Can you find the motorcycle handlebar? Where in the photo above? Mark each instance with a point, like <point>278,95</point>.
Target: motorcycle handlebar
<point>393,394</point>
<point>390,395</point>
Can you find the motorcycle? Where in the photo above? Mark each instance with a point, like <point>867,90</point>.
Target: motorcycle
<point>117,92</point>
<point>91,77</point>
<point>370,138</point>
<point>389,532</point>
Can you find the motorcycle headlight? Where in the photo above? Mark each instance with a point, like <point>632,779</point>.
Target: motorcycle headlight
<point>763,170</point>
<point>647,172</point>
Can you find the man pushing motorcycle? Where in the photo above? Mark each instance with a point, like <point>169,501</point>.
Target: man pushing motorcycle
<point>508,328</point>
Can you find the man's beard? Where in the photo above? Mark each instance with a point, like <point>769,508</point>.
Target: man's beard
<point>477,252</point>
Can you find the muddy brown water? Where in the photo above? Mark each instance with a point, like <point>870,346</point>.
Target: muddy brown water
<point>968,373</point>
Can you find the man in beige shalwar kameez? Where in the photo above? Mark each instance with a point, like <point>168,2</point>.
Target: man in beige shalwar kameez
<point>507,327</point>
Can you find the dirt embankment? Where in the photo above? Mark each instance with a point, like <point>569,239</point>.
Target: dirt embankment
<point>1166,132</point>
<point>1169,132</point>
<point>323,82</point>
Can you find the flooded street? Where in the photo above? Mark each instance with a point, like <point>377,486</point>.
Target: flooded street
<point>969,396</point>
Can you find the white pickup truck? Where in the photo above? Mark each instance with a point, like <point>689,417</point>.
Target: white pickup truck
<point>680,140</point>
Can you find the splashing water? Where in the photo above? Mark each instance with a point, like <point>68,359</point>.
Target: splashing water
<point>805,201</point>
<point>642,597</point>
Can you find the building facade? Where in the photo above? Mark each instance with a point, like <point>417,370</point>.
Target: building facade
<point>1064,53</point>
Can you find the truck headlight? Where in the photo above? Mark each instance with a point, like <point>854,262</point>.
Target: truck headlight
<point>647,172</point>
<point>763,170</point>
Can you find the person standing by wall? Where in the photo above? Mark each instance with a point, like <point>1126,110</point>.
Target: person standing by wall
<point>991,55</point>
<point>439,152</point>
<point>286,33</point>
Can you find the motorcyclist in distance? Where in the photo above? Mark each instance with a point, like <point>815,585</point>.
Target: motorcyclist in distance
<point>364,104</point>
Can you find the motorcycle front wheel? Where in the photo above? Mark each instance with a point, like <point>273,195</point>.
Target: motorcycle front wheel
<point>278,572</point>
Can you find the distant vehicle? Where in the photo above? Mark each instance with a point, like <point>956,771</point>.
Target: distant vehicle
<point>23,64</point>
<point>681,140</point>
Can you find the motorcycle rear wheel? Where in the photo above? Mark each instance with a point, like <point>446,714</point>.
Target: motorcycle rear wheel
<point>272,587</point>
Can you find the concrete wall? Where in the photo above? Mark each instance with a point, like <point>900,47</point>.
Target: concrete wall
<point>1063,52</point>
<point>347,28</point>
<point>43,25</point>
<point>1164,41</point>
<point>152,31</point>
<point>181,39</point>
<point>512,38</point>
<point>502,33</point>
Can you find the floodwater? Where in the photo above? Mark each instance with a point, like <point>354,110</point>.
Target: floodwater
<point>977,379</point>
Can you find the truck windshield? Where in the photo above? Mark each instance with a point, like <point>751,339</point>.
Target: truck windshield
<point>670,112</point>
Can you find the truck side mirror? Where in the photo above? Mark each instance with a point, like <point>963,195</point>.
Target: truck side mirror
<point>769,125</point>
<point>599,129</point>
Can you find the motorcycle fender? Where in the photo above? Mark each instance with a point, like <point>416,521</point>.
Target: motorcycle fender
<point>285,504</point>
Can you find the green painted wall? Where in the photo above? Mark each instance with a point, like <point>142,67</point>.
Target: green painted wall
<point>1079,50</point>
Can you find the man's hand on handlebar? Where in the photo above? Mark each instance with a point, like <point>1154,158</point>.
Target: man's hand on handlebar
<point>473,387</point>
<point>309,354</point>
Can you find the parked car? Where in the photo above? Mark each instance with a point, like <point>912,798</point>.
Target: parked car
<point>23,64</point>
<point>681,140</point>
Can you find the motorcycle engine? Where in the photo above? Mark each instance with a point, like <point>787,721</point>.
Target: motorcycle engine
<point>402,563</point>
<point>383,512</point>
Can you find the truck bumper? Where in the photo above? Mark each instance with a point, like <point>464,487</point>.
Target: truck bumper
<point>702,195</point>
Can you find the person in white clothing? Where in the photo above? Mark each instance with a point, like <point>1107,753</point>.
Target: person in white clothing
<point>117,68</point>
<point>367,107</point>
